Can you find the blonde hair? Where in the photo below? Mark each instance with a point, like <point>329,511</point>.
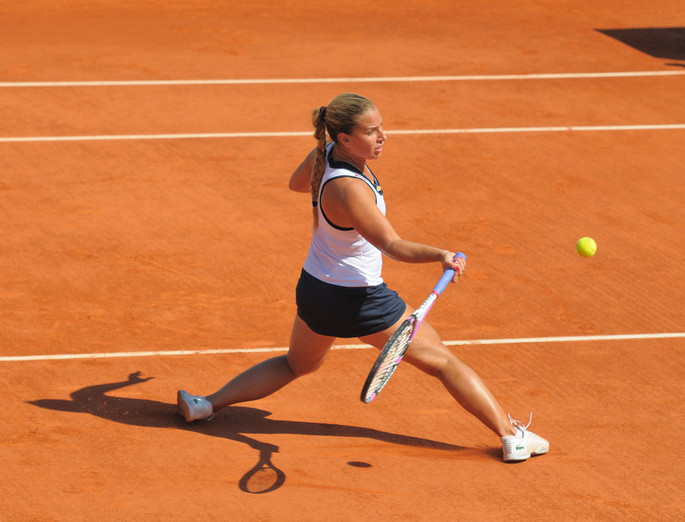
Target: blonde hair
<point>341,115</point>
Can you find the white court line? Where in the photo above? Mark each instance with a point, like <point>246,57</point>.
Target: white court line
<point>116,137</point>
<point>163,353</point>
<point>381,79</point>
<point>229,135</point>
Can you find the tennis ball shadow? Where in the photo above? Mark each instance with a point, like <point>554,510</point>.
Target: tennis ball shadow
<point>359,464</point>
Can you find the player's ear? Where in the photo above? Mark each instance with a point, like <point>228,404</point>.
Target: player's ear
<point>344,139</point>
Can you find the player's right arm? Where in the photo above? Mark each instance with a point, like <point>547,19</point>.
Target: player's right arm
<point>350,203</point>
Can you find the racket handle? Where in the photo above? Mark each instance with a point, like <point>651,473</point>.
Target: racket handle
<point>447,276</point>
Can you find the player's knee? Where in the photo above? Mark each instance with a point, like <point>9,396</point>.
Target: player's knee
<point>437,367</point>
<point>300,368</point>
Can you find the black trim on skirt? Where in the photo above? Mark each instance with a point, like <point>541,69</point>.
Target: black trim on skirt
<point>342,311</point>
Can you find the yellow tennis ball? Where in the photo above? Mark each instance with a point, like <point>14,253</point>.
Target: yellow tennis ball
<point>586,246</point>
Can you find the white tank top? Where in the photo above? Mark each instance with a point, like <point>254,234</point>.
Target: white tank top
<point>341,256</point>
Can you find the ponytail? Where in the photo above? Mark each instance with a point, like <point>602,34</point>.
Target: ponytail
<point>319,122</point>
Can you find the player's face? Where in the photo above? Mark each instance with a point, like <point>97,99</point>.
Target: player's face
<point>367,138</point>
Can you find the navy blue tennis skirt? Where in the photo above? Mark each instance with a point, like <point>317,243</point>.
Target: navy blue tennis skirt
<point>342,311</point>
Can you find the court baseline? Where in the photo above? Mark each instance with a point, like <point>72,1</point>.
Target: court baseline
<point>381,79</point>
<point>228,135</point>
<point>162,353</point>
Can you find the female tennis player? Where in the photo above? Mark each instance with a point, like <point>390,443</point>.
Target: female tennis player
<point>341,293</point>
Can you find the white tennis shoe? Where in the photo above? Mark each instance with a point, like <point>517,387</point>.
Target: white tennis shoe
<point>193,407</point>
<point>523,444</point>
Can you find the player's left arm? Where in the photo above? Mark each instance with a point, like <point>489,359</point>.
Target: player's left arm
<point>301,179</point>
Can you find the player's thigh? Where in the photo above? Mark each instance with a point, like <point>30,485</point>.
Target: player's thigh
<point>426,351</point>
<point>308,350</point>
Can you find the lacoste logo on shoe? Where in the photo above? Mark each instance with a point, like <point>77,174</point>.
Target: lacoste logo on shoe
<point>519,448</point>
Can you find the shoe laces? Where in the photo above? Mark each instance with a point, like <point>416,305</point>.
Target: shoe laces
<point>519,425</point>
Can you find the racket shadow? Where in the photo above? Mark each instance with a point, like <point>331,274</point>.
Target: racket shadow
<point>233,423</point>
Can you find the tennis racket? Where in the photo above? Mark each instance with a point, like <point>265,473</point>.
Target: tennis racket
<point>397,345</point>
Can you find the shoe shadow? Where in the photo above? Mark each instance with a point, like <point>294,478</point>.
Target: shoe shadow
<point>233,423</point>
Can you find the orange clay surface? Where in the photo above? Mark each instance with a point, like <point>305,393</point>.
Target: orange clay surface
<point>157,245</point>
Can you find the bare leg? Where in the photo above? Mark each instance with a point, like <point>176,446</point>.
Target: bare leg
<point>429,354</point>
<point>307,352</point>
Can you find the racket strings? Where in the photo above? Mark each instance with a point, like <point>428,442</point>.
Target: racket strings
<point>393,357</point>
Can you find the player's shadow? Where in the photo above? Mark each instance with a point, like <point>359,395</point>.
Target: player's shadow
<point>232,424</point>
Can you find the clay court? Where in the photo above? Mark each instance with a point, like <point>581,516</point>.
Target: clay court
<point>148,242</point>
